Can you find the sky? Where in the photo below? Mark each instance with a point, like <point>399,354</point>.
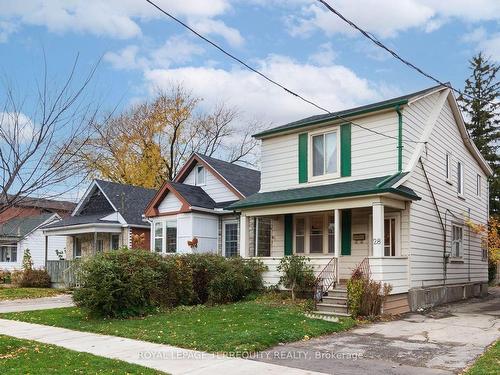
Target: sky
<point>296,42</point>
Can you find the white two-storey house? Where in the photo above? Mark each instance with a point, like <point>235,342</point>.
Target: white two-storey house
<point>388,186</point>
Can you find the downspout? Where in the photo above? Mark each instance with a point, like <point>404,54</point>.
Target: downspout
<point>400,138</point>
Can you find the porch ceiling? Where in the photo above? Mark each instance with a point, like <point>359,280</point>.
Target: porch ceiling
<point>84,228</point>
<point>356,188</point>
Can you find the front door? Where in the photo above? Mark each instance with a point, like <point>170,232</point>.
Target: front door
<point>230,238</point>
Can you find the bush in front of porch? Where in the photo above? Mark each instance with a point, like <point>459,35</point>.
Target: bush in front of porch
<point>128,283</point>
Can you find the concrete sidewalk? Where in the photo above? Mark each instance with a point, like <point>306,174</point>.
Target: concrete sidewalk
<point>160,357</point>
<point>16,305</point>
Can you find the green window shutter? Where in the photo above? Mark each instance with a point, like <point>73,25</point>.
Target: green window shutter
<point>346,232</point>
<point>303,158</point>
<point>345,150</point>
<point>288,234</point>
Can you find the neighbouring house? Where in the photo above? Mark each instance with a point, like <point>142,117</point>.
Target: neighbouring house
<point>187,214</point>
<point>388,187</point>
<point>107,217</point>
<point>21,233</point>
<point>29,206</point>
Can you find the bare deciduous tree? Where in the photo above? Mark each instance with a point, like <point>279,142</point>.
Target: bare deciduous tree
<point>39,141</point>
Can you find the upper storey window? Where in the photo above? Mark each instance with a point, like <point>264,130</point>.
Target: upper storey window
<point>325,154</point>
<point>200,175</point>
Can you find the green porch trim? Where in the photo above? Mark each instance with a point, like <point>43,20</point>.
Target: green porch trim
<point>345,150</point>
<point>288,234</point>
<point>346,233</point>
<point>303,139</point>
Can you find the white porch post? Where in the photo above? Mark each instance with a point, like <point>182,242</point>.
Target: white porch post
<point>338,242</point>
<point>378,229</point>
<point>243,235</point>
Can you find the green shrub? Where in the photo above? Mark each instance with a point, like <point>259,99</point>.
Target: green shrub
<point>355,289</point>
<point>297,274</point>
<point>126,283</point>
<point>118,283</point>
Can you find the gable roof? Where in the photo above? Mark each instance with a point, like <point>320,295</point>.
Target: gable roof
<point>20,227</point>
<point>356,111</point>
<point>377,185</point>
<point>129,200</point>
<point>44,203</point>
<point>241,180</point>
<point>194,195</point>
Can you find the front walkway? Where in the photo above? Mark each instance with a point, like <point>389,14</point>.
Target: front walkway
<point>157,356</point>
<point>16,305</point>
<point>443,341</point>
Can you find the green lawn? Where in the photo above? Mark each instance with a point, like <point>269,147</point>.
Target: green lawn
<point>488,363</point>
<point>238,327</point>
<point>30,357</point>
<point>16,293</point>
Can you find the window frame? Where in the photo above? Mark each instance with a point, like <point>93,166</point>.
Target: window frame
<point>479,182</point>
<point>459,257</point>
<point>111,241</point>
<point>196,174</point>
<point>224,237</point>
<point>307,233</point>
<point>448,167</point>
<point>9,249</point>
<point>460,179</point>
<point>310,155</point>
<point>77,242</point>
<point>257,227</point>
<point>165,249</point>
<point>159,237</point>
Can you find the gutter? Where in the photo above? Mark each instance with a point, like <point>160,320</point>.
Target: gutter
<point>400,138</point>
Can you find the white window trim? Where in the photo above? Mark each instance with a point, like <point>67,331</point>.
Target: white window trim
<point>162,226</point>
<point>449,169</point>
<point>197,183</point>
<point>388,215</point>
<point>224,235</point>
<point>325,176</point>
<point>452,256</point>
<point>10,247</point>
<point>460,182</point>
<point>111,235</point>
<point>479,182</point>
<point>307,232</point>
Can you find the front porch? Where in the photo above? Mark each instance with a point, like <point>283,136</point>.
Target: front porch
<point>349,230</point>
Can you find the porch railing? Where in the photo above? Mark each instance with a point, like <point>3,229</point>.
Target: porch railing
<point>362,271</point>
<point>325,280</point>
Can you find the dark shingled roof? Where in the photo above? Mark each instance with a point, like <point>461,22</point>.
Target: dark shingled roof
<point>368,186</point>
<point>134,202</point>
<point>245,180</point>
<point>44,203</point>
<point>21,226</point>
<point>401,100</point>
<point>83,219</point>
<point>194,195</point>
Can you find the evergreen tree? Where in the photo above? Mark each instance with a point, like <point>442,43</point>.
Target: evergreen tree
<point>480,103</point>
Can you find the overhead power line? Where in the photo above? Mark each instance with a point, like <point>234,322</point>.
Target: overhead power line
<point>267,78</point>
<point>394,54</point>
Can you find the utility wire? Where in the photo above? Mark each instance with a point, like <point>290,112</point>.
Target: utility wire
<point>394,54</point>
<point>270,80</point>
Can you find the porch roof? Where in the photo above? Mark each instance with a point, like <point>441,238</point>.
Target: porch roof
<point>356,188</point>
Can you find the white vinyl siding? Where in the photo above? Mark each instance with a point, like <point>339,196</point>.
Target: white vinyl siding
<point>426,238</point>
<point>169,204</point>
<point>372,155</point>
<point>218,191</point>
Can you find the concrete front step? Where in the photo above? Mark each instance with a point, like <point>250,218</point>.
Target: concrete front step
<point>331,314</point>
<point>335,300</point>
<point>334,308</point>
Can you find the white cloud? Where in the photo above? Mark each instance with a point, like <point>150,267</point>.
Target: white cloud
<point>175,50</point>
<point>386,19</point>
<point>489,43</point>
<point>6,28</point>
<point>17,126</point>
<point>324,56</point>
<point>210,26</point>
<point>111,18</point>
<point>334,87</point>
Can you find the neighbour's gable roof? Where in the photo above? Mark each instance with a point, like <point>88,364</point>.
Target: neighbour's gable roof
<point>83,219</point>
<point>240,180</point>
<point>339,115</point>
<point>22,226</point>
<point>44,203</point>
<point>377,185</point>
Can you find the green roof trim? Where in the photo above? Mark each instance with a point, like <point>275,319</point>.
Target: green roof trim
<point>346,189</point>
<point>341,115</point>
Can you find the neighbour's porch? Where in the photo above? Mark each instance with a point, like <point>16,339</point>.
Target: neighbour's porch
<point>335,235</point>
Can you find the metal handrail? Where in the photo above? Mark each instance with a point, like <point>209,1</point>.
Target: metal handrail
<point>362,270</point>
<point>326,278</point>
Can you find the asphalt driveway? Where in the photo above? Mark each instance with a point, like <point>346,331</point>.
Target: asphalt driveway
<point>443,341</point>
